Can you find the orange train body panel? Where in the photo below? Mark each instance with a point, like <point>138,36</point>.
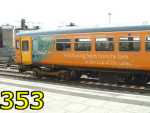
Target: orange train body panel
<point>137,60</point>
<point>102,59</point>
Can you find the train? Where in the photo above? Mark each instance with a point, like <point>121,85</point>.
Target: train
<point>119,53</point>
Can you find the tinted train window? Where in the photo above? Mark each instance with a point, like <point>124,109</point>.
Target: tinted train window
<point>82,44</point>
<point>129,44</point>
<point>25,46</point>
<point>104,44</point>
<point>147,43</point>
<point>63,44</point>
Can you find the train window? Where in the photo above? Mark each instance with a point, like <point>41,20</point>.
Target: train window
<point>25,46</point>
<point>17,44</point>
<point>63,44</point>
<point>147,43</point>
<point>82,44</point>
<point>129,44</point>
<point>104,44</point>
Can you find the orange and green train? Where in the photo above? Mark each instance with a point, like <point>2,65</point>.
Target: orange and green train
<point>121,52</point>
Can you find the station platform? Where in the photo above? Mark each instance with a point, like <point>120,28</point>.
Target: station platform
<point>66,99</point>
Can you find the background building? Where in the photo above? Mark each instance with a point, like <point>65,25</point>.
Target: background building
<point>7,39</point>
<point>7,34</point>
<point>1,40</point>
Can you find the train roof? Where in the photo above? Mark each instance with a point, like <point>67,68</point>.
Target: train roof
<point>87,30</point>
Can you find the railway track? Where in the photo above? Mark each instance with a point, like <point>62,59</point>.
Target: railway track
<point>83,82</point>
<point>11,67</point>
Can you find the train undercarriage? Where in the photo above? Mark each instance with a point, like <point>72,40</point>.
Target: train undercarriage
<point>103,75</point>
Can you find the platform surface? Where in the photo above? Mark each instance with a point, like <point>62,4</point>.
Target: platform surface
<point>66,99</point>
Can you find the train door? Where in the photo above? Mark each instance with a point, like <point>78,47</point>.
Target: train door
<point>18,50</point>
<point>26,50</point>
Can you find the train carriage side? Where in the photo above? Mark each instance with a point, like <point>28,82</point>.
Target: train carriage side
<point>117,50</point>
<point>120,51</point>
<point>94,51</point>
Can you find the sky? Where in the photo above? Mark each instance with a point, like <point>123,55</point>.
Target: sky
<point>57,13</point>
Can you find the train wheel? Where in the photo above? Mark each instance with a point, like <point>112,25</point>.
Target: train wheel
<point>142,79</point>
<point>20,68</point>
<point>36,73</point>
<point>75,75</point>
<point>64,75</point>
